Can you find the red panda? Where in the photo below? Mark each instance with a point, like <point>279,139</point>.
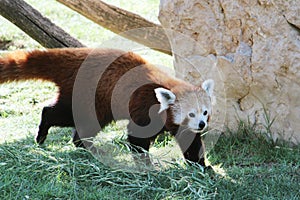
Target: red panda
<point>126,87</point>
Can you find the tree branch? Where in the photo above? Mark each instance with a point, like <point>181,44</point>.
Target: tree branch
<point>122,22</point>
<point>35,25</point>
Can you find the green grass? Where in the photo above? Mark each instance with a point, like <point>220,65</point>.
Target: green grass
<point>255,167</point>
<point>248,165</point>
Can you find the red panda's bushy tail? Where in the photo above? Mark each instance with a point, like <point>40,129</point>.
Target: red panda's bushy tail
<point>60,66</point>
<point>55,65</point>
<point>12,67</point>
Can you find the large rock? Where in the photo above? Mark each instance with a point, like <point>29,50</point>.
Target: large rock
<point>251,49</point>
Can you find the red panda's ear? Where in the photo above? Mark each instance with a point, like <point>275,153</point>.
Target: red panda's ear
<point>208,86</point>
<point>165,98</point>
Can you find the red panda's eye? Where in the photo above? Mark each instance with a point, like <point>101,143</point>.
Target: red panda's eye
<point>192,115</point>
<point>205,113</point>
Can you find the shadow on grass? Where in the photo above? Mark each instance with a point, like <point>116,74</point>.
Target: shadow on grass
<point>63,171</point>
<point>253,169</point>
<point>257,168</point>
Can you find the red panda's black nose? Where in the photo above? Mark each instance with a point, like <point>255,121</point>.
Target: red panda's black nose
<point>201,125</point>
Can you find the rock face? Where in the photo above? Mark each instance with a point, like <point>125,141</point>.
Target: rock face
<point>251,49</point>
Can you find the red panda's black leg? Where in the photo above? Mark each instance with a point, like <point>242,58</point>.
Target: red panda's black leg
<point>83,142</point>
<point>76,139</point>
<point>140,146</point>
<point>192,147</point>
<point>139,143</point>
<point>56,115</point>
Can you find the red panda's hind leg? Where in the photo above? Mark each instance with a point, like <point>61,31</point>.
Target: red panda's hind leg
<point>56,115</point>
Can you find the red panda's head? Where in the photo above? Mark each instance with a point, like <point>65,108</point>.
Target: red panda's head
<point>191,108</point>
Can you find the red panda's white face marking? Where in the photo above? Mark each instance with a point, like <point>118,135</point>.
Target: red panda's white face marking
<point>191,109</point>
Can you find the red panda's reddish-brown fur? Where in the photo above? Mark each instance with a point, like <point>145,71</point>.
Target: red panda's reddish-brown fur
<point>61,66</point>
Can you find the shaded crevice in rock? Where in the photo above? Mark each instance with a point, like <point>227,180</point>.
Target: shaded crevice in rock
<point>295,27</point>
<point>290,9</point>
<point>240,100</point>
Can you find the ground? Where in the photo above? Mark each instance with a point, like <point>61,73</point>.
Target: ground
<point>248,165</point>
